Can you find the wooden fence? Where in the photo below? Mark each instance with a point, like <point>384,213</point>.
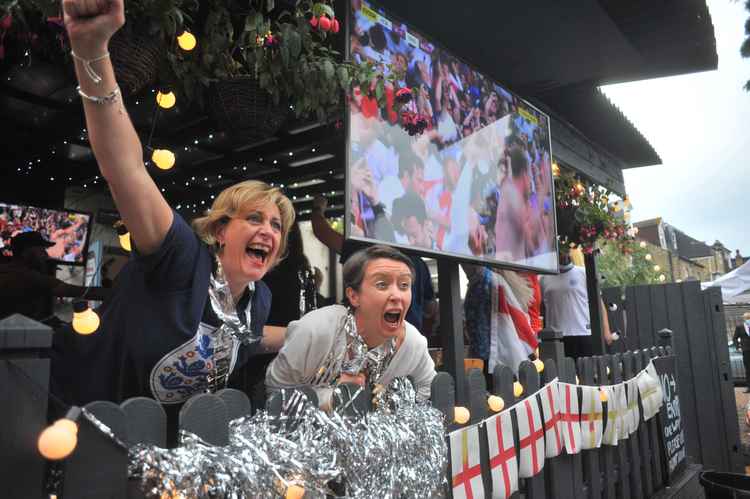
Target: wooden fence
<point>695,319</point>
<point>633,469</point>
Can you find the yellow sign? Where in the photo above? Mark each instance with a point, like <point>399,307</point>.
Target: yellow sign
<point>370,14</point>
<point>528,116</point>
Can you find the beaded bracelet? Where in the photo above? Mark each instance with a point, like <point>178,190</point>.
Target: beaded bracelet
<point>87,66</point>
<point>110,98</point>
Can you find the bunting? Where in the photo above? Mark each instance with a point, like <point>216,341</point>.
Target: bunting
<point>614,416</point>
<point>553,431</point>
<point>531,435</point>
<point>634,413</point>
<point>466,471</point>
<point>502,452</point>
<point>622,404</point>
<point>591,417</point>
<point>570,417</point>
<point>650,390</point>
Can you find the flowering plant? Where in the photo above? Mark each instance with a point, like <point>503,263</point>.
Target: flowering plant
<point>588,214</point>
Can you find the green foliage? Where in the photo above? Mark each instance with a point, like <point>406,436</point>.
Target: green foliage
<point>626,266</point>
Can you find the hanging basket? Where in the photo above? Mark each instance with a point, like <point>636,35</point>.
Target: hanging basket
<point>135,58</point>
<point>244,110</point>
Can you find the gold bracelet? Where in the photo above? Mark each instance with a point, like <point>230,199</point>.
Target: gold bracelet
<point>110,98</point>
<point>87,66</point>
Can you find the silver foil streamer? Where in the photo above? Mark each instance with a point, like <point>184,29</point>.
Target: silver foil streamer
<point>222,303</point>
<point>396,451</point>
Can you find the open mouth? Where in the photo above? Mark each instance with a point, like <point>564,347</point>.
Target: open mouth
<point>257,251</point>
<point>392,317</point>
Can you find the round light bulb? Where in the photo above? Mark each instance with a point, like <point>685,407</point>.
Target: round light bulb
<point>603,395</point>
<point>648,257</point>
<point>643,243</point>
<point>517,389</point>
<point>295,492</point>
<point>186,41</point>
<point>539,365</point>
<point>85,322</point>
<point>662,278</point>
<point>461,415</point>
<point>56,442</point>
<point>163,158</point>
<point>578,382</point>
<point>125,241</point>
<point>167,100</point>
<point>496,403</point>
<point>67,425</point>
<point>657,268</point>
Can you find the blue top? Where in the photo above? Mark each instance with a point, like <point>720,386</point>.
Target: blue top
<point>477,313</point>
<point>153,340</point>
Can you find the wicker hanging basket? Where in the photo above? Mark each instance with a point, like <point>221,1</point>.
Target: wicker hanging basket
<point>240,107</point>
<point>135,58</point>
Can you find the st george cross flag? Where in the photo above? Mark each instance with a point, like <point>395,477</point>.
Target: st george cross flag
<point>553,431</point>
<point>591,418</point>
<point>650,390</point>
<point>466,471</point>
<point>622,403</point>
<point>614,416</point>
<point>511,338</point>
<point>634,413</point>
<point>502,451</point>
<point>570,417</point>
<point>531,435</point>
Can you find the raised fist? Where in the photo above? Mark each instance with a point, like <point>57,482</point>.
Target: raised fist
<point>91,23</point>
<point>320,203</point>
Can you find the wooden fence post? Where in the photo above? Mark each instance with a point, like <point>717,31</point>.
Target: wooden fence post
<point>529,378</point>
<point>633,447</point>
<point>590,457</point>
<point>606,452</point>
<point>559,471</point>
<point>622,488</point>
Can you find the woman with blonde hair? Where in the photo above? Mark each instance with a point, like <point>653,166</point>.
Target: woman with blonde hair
<point>189,307</point>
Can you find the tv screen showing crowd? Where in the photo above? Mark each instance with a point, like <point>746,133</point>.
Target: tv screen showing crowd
<point>67,229</point>
<point>475,183</point>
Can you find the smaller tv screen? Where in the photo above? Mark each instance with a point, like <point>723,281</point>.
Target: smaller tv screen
<point>69,230</point>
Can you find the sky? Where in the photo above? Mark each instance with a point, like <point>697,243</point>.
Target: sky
<point>699,125</point>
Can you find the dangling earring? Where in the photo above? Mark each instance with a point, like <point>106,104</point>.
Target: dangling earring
<point>220,245</point>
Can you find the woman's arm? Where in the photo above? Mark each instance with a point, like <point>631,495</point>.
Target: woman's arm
<point>114,141</point>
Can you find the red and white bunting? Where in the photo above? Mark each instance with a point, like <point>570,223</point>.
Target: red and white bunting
<point>622,404</point>
<point>502,452</point>
<point>634,413</point>
<point>466,470</point>
<point>553,430</point>
<point>591,417</point>
<point>650,389</point>
<point>570,417</point>
<point>614,416</point>
<point>531,435</point>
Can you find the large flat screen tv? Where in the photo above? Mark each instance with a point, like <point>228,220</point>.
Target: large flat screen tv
<point>69,230</point>
<point>475,185</point>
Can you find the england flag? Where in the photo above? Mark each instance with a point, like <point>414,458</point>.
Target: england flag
<point>466,471</point>
<point>531,437</point>
<point>570,417</point>
<point>591,418</point>
<point>502,452</point>
<point>553,427</point>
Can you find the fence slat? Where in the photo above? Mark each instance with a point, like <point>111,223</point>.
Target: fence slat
<point>653,433</point>
<point>559,471</point>
<point>476,391</point>
<point>590,457</point>
<point>607,453</point>
<point>643,442</point>
<point>643,317</point>
<point>206,416</point>
<point>568,375</point>
<point>633,445</point>
<point>622,487</point>
<point>238,404</point>
<point>529,378</point>
<point>146,421</point>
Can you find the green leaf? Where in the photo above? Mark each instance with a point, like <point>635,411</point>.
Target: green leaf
<point>379,91</point>
<point>343,77</point>
<point>285,56</point>
<point>328,69</point>
<point>295,43</point>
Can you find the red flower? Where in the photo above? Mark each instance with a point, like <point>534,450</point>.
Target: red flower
<point>314,22</point>
<point>324,23</point>
<point>6,22</point>
<point>335,27</point>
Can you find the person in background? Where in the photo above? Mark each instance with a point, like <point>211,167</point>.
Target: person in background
<point>189,309</point>
<point>566,308</point>
<point>322,349</point>
<point>25,284</point>
<point>742,343</point>
<point>423,294</point>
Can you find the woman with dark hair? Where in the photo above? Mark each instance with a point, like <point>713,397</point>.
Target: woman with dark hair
<point>366,342</point>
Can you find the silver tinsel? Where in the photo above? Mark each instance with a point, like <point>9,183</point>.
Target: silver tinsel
<point>396,451</point>
<point>222,303</point>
